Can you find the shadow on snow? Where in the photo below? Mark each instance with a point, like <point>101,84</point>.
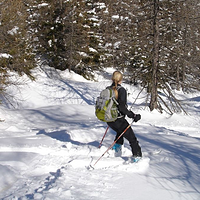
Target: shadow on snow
<point>63,136</point>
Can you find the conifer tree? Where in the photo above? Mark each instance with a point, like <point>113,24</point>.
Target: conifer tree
<point>67,35</point>
<point>14,40</point>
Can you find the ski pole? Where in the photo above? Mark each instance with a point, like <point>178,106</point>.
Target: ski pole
<point>103,137</point>
<point>114,142</point>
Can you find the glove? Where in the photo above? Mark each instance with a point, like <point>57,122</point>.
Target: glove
<point>137,117</point>
<point>130,114</point>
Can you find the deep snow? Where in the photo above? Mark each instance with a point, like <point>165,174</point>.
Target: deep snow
<point>51,137</point>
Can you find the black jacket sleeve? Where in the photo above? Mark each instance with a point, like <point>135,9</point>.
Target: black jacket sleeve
<point>122,100</point>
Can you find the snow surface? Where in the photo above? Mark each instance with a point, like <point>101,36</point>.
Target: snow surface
<point>5,55</point>
<point>49,144</point>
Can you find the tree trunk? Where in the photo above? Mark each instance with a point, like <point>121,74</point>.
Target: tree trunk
<point>155,61</point>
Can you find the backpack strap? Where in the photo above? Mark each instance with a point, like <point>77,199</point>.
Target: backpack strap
<point>115,100</point>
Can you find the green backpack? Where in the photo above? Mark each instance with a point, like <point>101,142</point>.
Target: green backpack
<point>106,108</point>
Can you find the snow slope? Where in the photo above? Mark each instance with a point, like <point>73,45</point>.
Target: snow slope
<point>51,137</point>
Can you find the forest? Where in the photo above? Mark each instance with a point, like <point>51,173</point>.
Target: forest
<point>155,43</point>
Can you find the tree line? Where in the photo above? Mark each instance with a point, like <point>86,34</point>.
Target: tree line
<point>156,43</point>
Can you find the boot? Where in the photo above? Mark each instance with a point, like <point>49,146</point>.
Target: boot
<point>118,149</point>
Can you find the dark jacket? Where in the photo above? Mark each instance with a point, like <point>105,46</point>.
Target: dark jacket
<point>122,100</point>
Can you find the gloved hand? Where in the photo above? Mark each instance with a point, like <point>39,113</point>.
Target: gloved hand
<point>131,114</point>
<point>137,117</point>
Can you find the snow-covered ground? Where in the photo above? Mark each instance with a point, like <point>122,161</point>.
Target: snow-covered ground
<point>51,137</point>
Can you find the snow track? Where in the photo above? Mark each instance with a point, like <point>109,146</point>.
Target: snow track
<point>45,151</point>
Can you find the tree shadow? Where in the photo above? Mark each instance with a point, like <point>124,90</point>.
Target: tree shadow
<point>82,96</point>
<point>197,99</point>
<point>180,153</point>
<point>63,136</point>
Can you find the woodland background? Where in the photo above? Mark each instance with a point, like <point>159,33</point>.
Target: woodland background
<point>156,43</point>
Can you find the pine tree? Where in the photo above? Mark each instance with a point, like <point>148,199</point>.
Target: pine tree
<point>14,41</point>
<point>167,33</point>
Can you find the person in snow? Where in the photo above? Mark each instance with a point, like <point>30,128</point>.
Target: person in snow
<point>121,123</point>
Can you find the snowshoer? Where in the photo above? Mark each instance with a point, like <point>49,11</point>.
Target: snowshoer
<point>121,123</point>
